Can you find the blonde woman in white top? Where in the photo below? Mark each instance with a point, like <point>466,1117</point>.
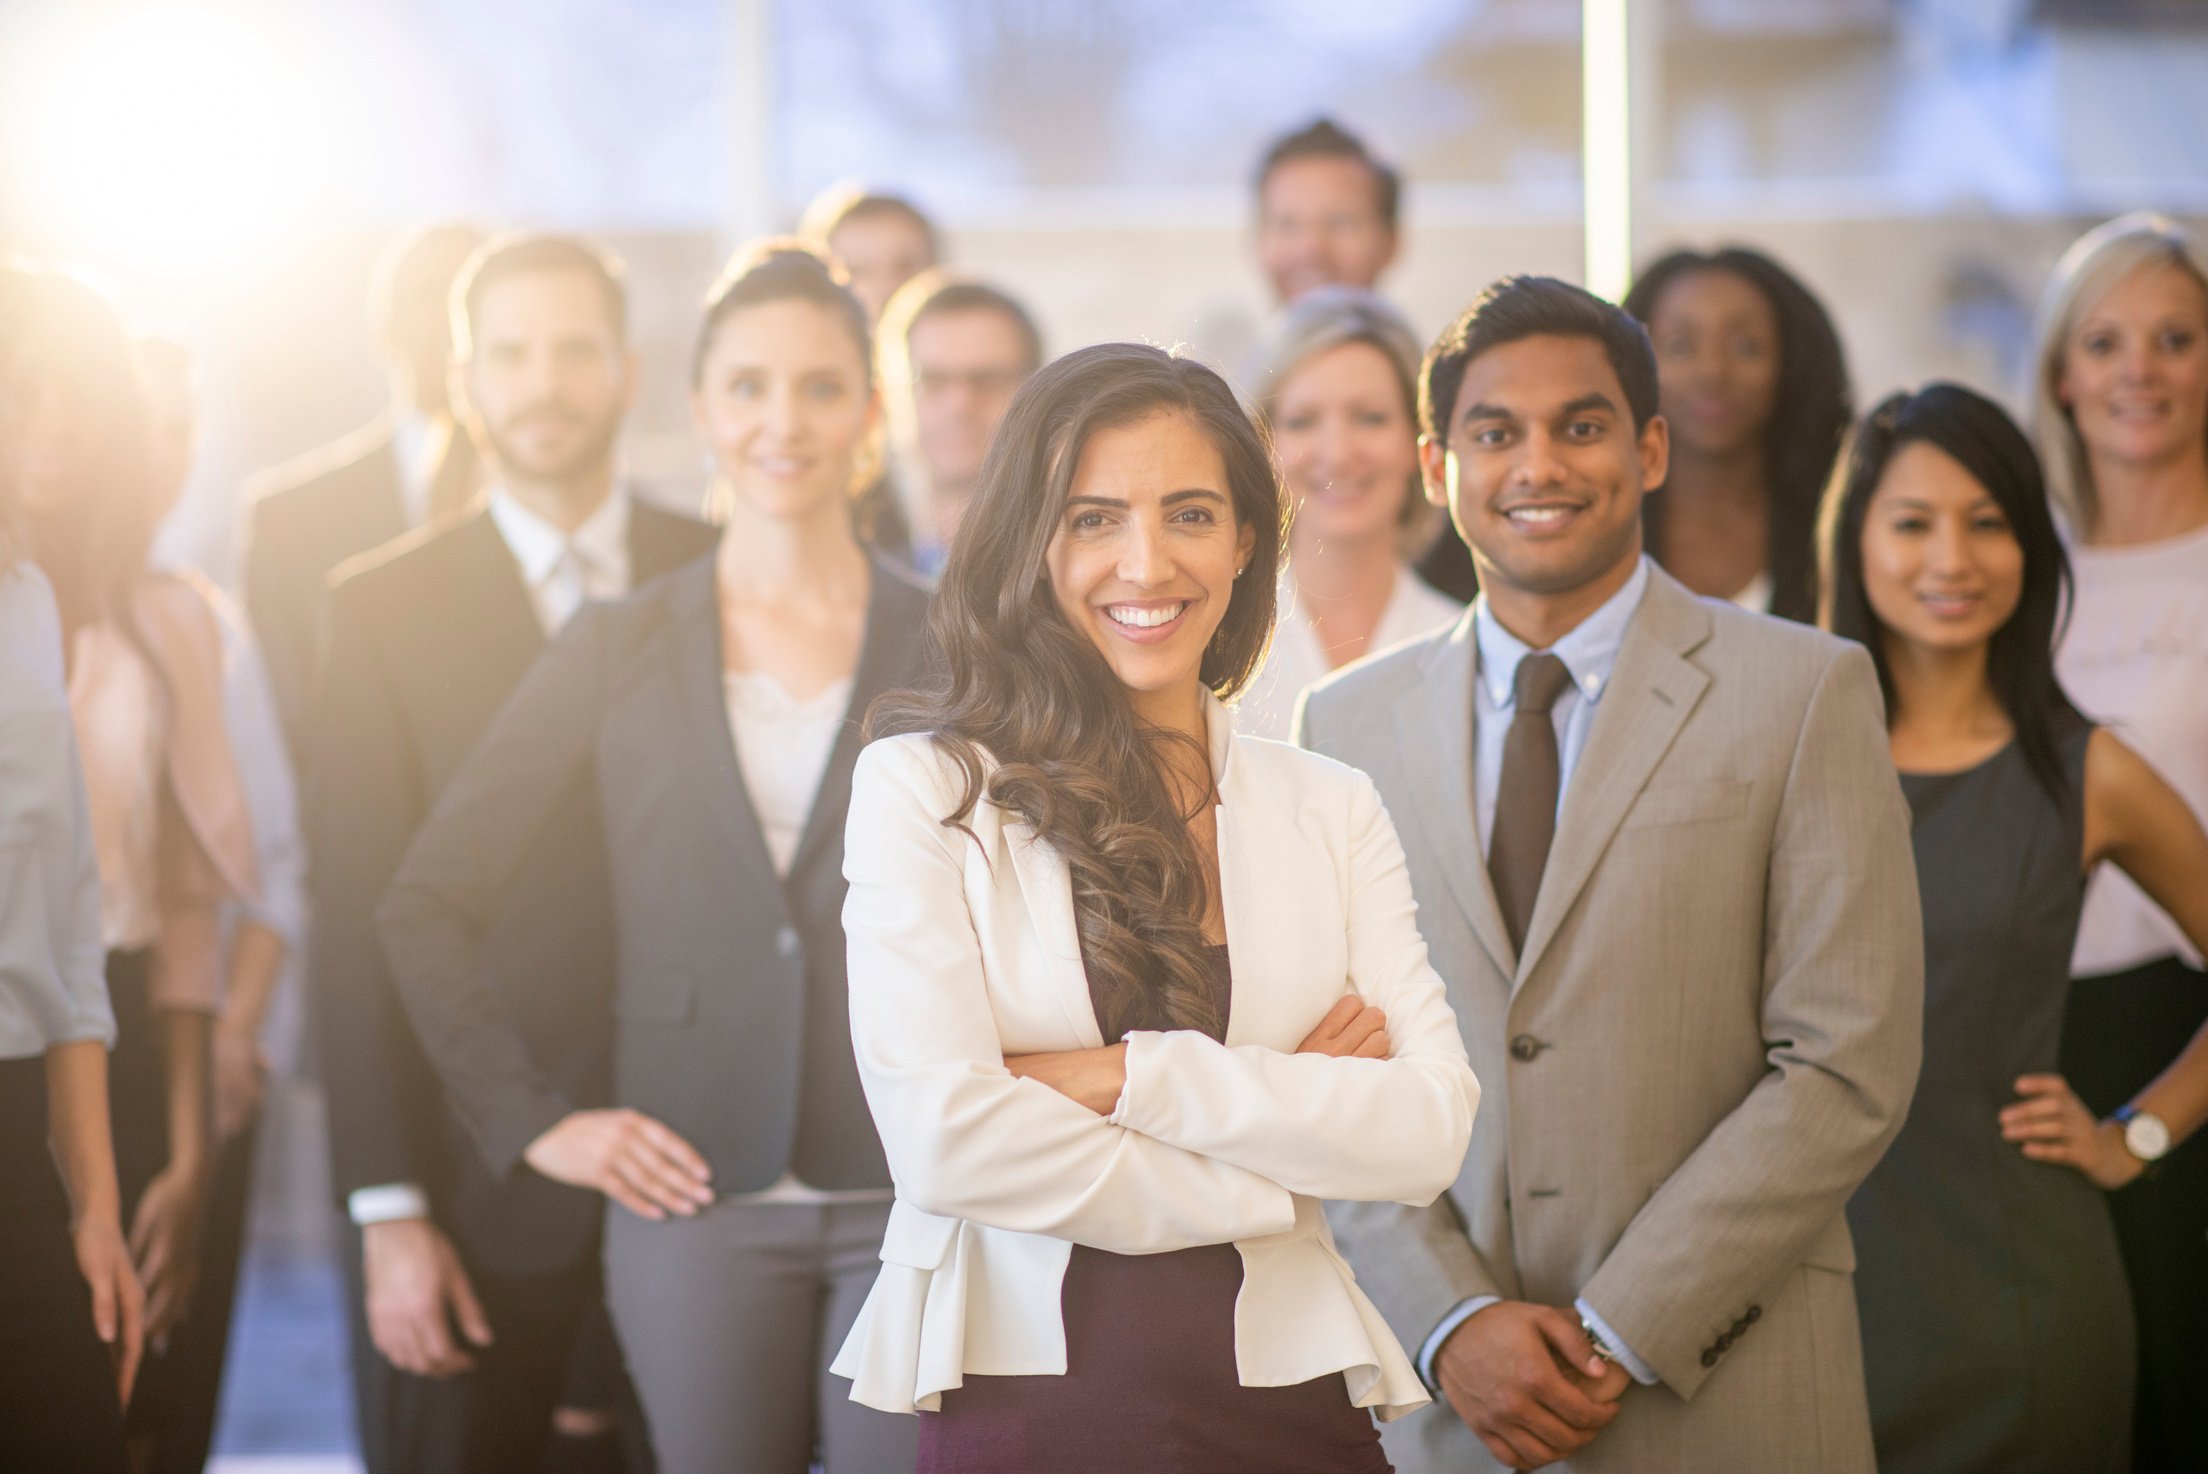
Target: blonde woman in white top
<point>2120,411</point>
<point>1333,386</point>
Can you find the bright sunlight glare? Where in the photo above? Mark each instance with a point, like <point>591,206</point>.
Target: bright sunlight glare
<point>175,147</point>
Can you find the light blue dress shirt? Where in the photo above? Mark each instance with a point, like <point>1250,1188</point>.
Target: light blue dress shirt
<point>1590,653</point>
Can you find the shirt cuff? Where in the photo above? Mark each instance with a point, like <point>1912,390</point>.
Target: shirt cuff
<point>1431,1346</point>
<point>386,1203</point>
<point>1639,1370</point>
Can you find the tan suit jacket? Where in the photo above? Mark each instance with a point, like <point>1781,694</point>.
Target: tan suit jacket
<point>1710,1038</point>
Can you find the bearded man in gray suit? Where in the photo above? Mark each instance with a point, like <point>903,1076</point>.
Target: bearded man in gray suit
<point>1662,860</point>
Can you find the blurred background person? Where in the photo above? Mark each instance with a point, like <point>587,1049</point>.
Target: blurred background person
<point>2120,411</point>
<point>1327,212</point>
<point>883,240</point>
<point>71,1327</point>
<point>715,718</point>
<point>480,1291</point>
<point>1997,1326</point>
<point>261,940</point>
<point>409,465</point>
<point>170,823</point>
<point>952,350</point>
<point>1755,389</point>
<point>1334,385</point>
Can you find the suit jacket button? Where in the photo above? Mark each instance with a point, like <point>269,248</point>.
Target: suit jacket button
<point>1525,1047</point>
<point>1709,1356</point>
<point>787,942</point>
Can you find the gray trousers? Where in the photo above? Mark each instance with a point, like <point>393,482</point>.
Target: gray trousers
<point>729,1321</point>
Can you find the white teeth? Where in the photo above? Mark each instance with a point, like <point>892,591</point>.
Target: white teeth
<point>1143,619</point>
<point>1539,516</point>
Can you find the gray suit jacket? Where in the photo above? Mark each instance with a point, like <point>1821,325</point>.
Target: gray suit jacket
<point>1711,1036</point>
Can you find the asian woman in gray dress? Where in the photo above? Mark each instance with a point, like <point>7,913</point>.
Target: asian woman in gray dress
<point>1997,1327</point>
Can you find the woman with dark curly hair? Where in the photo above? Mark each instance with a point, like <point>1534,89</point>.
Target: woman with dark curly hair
<point>1109,1140</point>
<point>1755,387</point>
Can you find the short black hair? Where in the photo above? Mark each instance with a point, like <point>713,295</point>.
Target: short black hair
<point>937,292</point>
<point>1519,307</point>
<point>1323,138</point>
<point>2020,659</point>
<point>522,253</point>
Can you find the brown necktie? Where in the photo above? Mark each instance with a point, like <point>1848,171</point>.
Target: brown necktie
<point>1525,799</point>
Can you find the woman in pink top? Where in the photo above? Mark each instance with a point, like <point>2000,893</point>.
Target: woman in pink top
<point>169,822</point>
<point>2120,410</point>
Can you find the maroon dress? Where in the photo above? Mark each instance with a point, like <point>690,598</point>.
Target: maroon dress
<point>1150,1384</point>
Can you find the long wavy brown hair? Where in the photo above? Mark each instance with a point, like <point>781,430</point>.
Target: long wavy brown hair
<point>1020,688</point>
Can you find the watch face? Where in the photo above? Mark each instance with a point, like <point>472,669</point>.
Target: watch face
<point>2145,1137</point>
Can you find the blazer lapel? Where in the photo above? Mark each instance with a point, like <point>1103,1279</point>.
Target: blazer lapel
<point>1046,889</point>
<point>896,615</point>
<point>495,606</point>
<point>1652,692</point>
<point>704,703</point>
<point>1433,725</point>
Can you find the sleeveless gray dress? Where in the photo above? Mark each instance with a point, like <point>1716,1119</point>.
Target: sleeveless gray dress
<point>1997,1326</point>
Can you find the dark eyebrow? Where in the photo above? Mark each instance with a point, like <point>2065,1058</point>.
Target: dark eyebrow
<point>1484,412</point>
<point>1171,498</point>
<point>1586,402</point>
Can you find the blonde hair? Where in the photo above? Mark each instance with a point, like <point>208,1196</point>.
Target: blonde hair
<point>2094,264</point>
<point>1318,322</point>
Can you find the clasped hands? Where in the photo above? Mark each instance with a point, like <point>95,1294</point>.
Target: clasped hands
<point>1527,1382</point>
<point>1096,1077</point>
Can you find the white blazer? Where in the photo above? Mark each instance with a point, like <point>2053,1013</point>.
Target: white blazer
<point>963,951</point>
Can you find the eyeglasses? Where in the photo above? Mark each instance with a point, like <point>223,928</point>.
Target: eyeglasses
<point>931,383</point>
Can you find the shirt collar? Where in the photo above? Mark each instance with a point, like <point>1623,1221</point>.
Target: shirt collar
<point>1589,652</point>
<point>537,544</point>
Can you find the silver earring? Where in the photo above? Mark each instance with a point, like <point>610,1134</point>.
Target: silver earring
<point>1240,571</point>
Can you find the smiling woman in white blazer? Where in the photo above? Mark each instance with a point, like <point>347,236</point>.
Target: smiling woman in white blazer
<point>1064,1066</point>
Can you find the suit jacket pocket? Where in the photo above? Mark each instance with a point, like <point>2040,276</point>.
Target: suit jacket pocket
<point>1688,803</point>
<point>661,998</point>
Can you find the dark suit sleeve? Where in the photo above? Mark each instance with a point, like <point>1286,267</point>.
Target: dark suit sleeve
<point>365,795</point>
<point>282,601</point>
<point>456,879</point>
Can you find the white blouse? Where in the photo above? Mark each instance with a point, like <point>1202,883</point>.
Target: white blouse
<point>1268,707</point>
<point>782,745</point>
<point>2135,659</point>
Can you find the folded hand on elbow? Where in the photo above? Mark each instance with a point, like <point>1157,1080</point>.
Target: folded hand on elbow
<point>1095,1077</point>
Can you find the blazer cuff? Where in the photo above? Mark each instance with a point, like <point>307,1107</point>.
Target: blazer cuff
<point>386,1203</point>
<point>1431,1346</point>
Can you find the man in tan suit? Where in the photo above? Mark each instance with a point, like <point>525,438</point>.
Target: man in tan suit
<point>1662,861</point>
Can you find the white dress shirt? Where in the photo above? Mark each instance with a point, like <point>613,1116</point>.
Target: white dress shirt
<point>1268,707</point>
<point>560,568</point>
<point>414,446</point>
<point>1590,654</point>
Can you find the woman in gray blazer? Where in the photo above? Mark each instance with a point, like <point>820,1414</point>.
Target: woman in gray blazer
<point>715,715</point>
